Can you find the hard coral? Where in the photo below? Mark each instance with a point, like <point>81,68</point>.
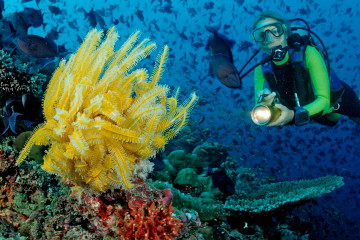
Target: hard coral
<point>102,120</point>
<point>15,80</point>
<point>152,221</point>
<point>7,160</point>
<point>270,197</point>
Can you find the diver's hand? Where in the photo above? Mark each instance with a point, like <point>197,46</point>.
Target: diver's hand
<point>269,99</point>
<point>285,117</point>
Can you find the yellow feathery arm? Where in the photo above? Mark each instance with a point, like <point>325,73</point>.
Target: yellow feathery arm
<point>159,67</point>
<point>149,96</point>
<point>86,50</point>
<point>78,141</point>
<point>94,105</point>
<point>114,75</point>
<point>175,127</point>
<point>119,55</point>
<point>121,134</point>
<point>172,102</point>
<point>172,118</point>
<point>151,125</point>
<point>101,56</point>
<point>77,101</point>
<point>143,49</point>
<point>74,77</point>
<point>135,56</point>
<point>31,142</point>
<point>108,111</point>
<point>186,106</point>
<point>120,160</point>
<point>114,103</point>
<point>125,86</point>
<point>148,111</point>
<point>54,89</point>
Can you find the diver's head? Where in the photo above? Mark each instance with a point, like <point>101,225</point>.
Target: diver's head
<point>271,30</point>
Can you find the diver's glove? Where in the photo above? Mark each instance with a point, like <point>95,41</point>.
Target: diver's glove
<point>286,116</point>
<point>265,97</point>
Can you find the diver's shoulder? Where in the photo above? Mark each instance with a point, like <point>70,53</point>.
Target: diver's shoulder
<point>311,50</point>
<point>258,70</point>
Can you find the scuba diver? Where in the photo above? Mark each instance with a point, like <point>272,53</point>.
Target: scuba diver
<point>295,70</point>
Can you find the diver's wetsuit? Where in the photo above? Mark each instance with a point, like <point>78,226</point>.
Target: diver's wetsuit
<point>319,109</point>
<point>349,102</point>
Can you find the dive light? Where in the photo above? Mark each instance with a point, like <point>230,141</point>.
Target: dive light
<point>262,114</point>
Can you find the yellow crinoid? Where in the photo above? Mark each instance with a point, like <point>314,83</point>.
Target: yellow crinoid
<point>103,118</point>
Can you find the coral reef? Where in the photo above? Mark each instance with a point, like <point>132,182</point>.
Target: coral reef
<point>150,222</point>
<point>35,205</point>
<point>272,196</point>
<point>103,121</point>
<point>255,211</point>
<point>15,80</point>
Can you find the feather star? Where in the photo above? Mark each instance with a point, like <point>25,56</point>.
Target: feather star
<point>103,118</point>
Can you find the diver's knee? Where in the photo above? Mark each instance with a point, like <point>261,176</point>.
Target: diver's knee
<point>333,117</point>
<point>355,119</point>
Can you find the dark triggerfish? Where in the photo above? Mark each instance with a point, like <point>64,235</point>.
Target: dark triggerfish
<point>221,59</point>
<point>37,47</point>
<point>221,181</point>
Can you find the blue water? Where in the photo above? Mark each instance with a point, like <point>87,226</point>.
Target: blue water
<point>289,153</point>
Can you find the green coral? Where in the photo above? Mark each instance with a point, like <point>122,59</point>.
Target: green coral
<point>15,79</point>
<point>206,204</point>
<point>272,196</point>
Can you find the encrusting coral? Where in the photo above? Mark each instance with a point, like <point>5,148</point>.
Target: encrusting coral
<point>104,119</point>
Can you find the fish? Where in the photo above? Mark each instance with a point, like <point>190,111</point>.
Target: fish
<point>91,17</point>
<point>53,34</point>
<point>29,107</point>
<point>19,24</point>
<point>140,15</point>
<point>221,59</point>
<point>37,47</point>
<point>221,181</point>
<point>245,45</point>
<point>21,21</point>
<point>158,163</point>
<point>10,115</point>
<point>33,17</point>
<point>7,32</point>
<point>55,10</point>
<point>209,5</point>
<point>43,49</point>
<point>32,109</point>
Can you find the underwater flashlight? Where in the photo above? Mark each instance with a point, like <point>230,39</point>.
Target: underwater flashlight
<point>262,115</point>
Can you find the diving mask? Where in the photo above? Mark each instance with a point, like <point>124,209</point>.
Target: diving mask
<point>276,29</point>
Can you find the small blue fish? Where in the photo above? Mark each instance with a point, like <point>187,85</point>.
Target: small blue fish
<point>10,116</point>
<point>29,107</point>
